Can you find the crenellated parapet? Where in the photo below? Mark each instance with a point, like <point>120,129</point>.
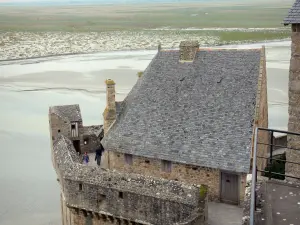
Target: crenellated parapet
<point>129,197</point>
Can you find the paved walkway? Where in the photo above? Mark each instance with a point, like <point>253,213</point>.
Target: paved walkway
<point>92,161</point>
<point>283,202</point>
<point>224,214</point>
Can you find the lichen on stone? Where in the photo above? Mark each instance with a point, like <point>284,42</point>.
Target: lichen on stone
<point>110,82</point>
<point>140,74</point>
<point>203,191</point>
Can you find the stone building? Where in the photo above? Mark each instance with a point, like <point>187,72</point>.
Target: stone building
<point>182,135</point>
<point>66,120</point>
<point>94,196</point>
<point>293,19</point>
<point>190,117</point>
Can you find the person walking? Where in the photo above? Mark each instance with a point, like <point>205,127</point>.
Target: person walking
<point>85,158</point>
<point>99,153</point>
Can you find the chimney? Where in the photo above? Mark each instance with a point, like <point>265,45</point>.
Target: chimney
<point>188,50</point>
<point>109,114</point>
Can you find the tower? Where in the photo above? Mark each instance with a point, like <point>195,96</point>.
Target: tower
<point>293,19</point>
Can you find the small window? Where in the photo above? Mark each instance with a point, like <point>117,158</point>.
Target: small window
<point>128,159</point>
<point>100,198</point>
<point>121,195</point>
<point>73,126</point>
<point>80,187</point>
<point>85,141</point>
<point>147,161</point>
<point>58,131</point>
<point>166,166</point>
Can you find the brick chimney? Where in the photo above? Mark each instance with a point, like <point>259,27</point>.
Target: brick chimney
<point>109,114</point>
<point>188,50</point>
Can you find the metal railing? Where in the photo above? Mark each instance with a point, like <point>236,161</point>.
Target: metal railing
<point>268,173</point>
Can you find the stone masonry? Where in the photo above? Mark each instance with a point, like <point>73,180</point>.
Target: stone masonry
<point>61,119</point>
<point>133,161</point>
<point>107,197</point>
<point>188,50</point>
<point>293,19</point>
<point>184,173</point>
<point>261,116</point>
<point>294,104</point>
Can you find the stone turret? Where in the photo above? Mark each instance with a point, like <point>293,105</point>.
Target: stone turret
<point>109,115</point>
<point>293,19</point>
<point>188,50</point>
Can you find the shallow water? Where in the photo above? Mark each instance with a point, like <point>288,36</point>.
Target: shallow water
<point>29,192</point>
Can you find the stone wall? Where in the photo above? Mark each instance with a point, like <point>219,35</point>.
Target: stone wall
<point>127,197</point>
<point>280,141</point>
<point>294,105</point>
<point>261,117</point>
<point>58,126</point>
<point>179,172</point>
<point>89,136</point>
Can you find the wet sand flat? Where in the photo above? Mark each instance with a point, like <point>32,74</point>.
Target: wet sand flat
<point>28,185</point>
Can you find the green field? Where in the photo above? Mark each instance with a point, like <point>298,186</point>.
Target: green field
<point>250,14</point>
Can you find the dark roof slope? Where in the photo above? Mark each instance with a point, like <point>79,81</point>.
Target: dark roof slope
<point>294,14</point>
<point>70,113</point>
<point>198,113</point>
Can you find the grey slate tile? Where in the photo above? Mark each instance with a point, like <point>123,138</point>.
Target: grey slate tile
<point>293,16</point>
<point>198,113</point>
<point>67,112</point>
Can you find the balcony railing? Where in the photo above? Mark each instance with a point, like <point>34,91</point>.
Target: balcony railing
<point>268,173</point>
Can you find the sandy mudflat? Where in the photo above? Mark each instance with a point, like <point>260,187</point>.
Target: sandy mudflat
<point>26,44</point>
<point>16,45</point>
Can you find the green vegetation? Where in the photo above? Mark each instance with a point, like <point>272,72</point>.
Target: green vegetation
<point>137,18</point>
<point>238,36</point>
<point>203,191</point>
<point>140,74</point>
<point>276,167</point>
<point>129,17</point>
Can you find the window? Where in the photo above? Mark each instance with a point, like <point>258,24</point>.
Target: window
<point>100,198</point>
<point>85,141</point>
<point>166,166</point>
<point>128,159</point>
<point>121,195</point>
<point>74,130</point>
<point>147,161</point>
<point>80,187</point>
<point>58,131</point>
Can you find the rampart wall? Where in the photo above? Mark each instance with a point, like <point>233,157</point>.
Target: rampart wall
<point>127,197</point>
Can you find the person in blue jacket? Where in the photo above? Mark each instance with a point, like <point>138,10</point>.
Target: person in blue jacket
<point>85,158</point>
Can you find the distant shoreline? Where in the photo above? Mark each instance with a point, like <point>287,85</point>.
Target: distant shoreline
<point>7,61</point>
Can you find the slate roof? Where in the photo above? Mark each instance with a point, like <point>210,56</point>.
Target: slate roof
<point>198,113</point>
<point>70,113</point>
<point>93,130</point>
<point>294,14</point>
